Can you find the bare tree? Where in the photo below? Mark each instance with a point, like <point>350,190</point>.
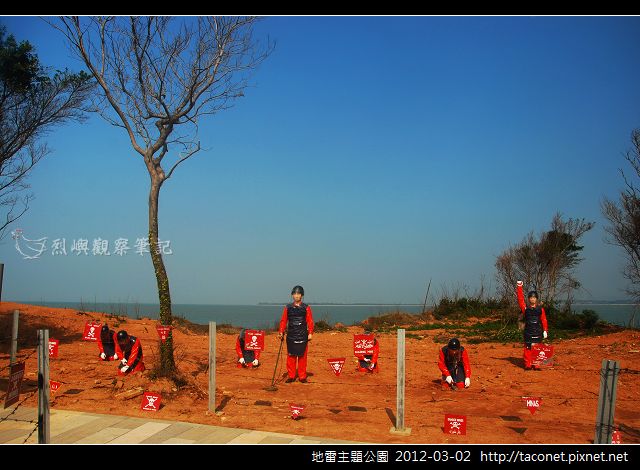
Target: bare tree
<point>159,76</point>
<point>545,262</point>
<point>624,218</point>
<point>31,104</point>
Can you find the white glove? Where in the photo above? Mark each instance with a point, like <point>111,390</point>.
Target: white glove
<point>519,283</point>
<point>241,360</point>
<point>255,362</point>
<point>366,359</point>
<point>449,379</point>
<point>544,334</point>
<point>467,382</point>
<point>124,369</point>
<point>124,361</point>
<point>103,356</point>
<point>115,357</point>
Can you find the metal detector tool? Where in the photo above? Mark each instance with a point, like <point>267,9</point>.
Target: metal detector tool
<point>272,387</point>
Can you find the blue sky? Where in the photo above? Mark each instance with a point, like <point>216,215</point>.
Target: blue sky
<point>370,155</point>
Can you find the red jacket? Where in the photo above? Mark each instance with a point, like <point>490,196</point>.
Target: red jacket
<point>309,318</point>
<point>465,363</point>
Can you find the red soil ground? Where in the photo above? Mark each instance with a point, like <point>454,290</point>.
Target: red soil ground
<point>352,406</point>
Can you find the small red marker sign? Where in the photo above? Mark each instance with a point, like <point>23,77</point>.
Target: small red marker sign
<point>150,401</point>
<point>296,410</point>
<point>616,437</point>
<point>455,424</point>
<point>163,332</point>
<point>91,331</point>
<point>362,344</point>
<point>254,340</point>
<point>542,355</point>
<point>533,403</point>
<point>53,347</point>
<point>54,385</point>
<point>336,365</point>
<point>15,384</point>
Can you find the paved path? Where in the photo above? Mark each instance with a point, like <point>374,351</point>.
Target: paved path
<point>77,427</point>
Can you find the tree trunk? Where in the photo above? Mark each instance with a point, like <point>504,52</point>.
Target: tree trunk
<point>167,363</point>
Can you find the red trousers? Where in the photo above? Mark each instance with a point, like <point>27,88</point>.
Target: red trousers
<point>302,365</point>
<point>527,355</point>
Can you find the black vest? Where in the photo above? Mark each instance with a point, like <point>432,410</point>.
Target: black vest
<point>532,325</point>
<point>297,331</point>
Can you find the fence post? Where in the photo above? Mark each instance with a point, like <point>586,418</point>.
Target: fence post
<point>399,427</point>
<point>43,387</point>
<point>14,337</point>
<point>606,401</point>
<point>212,366</point>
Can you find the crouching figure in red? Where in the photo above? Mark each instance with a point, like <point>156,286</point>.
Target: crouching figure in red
<point>535,324</point>
<point>454,365</point>
<point>107,344</point>
<point>246,357</point>
<point>369,362</point>
<point>128,347</point>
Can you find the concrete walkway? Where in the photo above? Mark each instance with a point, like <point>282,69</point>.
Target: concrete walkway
<point>77,427</point>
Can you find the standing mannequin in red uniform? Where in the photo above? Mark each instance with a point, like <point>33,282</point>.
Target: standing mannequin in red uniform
<point>535,324</point>
<point>130,350</point>
<point>297,319</point>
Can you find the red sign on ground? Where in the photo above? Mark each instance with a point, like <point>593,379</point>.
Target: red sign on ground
<point>362,344</point>
<point>91,331</point>
<point>150,401</point>
<point>616,438</point>
<point>542,355</point>
<point>336,365</point>
<point>15,383</point>
<point>54,385</point>
<point>163,332</point>
<point>254,340</point>
<point>533,403</point>
<point>296,410</point>
<point>455,424</point>
<point>53,347</point>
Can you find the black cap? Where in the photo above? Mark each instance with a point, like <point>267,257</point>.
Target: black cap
<point>532,293</point>
<point>105,328</point>
<point>297,289</point>
<point>454,343</point>
<point>122,336</point>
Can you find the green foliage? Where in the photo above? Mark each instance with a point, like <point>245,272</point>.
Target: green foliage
<point>463,307</point>
<point>391,321</point>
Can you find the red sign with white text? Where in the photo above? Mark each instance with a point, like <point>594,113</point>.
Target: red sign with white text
<point>455,424</point>
<point>53,347</point>
<point>533,403</point>
<point>542,355</point>
<point>163,332</point>
<point>336,365</point>
<point>91,331</point>
<point>150,401</point>
<point>15,384</point>
<point>54,386</point>
<point>296,410</point>
<point>616,438</point>
<point>254,340</point>
<point>362,344</point>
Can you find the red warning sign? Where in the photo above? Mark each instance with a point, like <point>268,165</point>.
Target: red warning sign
<point>163,332</point>
<point>53,347</point>
<point>254,340</point>
<point>542,355</point>
<point>336,364</point>
<point>533,403</point>
<point>455,424</point>
<point>54,386</point>
<point>362,344</point>
<point>91,331</point>
<point>150,401</point>
<point>296,410</point>
<point>15,384</point>
<point>616,438</point>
